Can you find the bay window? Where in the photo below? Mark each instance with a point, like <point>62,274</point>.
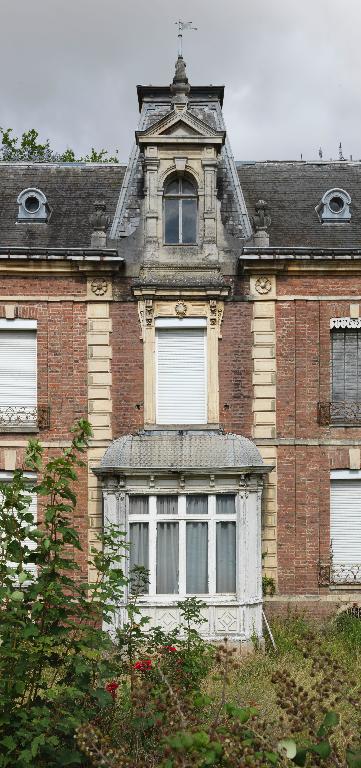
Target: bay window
<point>187,542</point>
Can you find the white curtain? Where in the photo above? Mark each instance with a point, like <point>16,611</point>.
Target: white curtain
<point>167,558</point>
<point>139,546</point>
<point>197,505</point>
<point>226,504</point>
<point>138,505</point>
<point>167,505</point>
<point>226,557</point>
<point>197,558</point>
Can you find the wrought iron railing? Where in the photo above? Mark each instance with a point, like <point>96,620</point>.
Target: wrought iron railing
<point>347,574</point>
<point>20,417</point>
<point>343,413</point>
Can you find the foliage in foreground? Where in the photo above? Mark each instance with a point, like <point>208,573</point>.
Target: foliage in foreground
<point>29,148</point>
<point>71,695</point>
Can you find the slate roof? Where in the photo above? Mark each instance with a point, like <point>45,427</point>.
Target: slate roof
<point>71,191</point>
<point>180,451</point>
<point>292,190</point>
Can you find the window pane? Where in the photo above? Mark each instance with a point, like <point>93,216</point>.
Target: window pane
<point>226,504</point>
<point>197,558</point>
<point>139,548</point>
<point>226,557</point>
<point>167,505</point>
<point>138,505</point>
<point>172,188</point>
<point>197,505</point>
<point>171,221</point>
<point>189,221</point>
<point>167,558</point>
<point>187,188</point>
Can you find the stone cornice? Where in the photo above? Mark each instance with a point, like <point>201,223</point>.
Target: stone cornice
<point>300,259</point>
<point>13,259</point>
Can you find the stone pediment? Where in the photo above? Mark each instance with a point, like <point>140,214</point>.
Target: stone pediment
<point>180,126</point>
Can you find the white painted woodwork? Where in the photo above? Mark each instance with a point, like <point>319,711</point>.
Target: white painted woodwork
<point>181,376</point>
<point>345,521</point>
<point>18,380</point>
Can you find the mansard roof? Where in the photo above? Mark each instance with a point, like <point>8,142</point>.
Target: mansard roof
<point>167,451</point>
<point>71,190</point>
<point>293,190</point>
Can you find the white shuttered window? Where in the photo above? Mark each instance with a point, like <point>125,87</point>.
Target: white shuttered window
<point>181,375</point>
<point>346,526</point>
<point>18,367</point>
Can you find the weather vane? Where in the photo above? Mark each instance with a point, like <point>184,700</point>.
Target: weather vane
<point>181,26</point>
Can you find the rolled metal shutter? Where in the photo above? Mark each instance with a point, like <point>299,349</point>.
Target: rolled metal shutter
<point>181,373</point>
<point>346,529</point>
<point>18,367</point>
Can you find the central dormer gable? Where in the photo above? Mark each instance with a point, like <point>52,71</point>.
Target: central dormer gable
<point>183,127</point>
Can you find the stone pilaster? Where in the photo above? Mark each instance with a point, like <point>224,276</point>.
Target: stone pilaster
<point>99,327</point>
<point>263,290</point>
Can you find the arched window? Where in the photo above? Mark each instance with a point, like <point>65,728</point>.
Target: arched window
<point>180,212</point>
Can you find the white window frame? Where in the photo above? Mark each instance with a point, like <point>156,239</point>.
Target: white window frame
<point>180,198</point>
<point>181,323</point>
<point>20,324</point>
<point>211,518</point>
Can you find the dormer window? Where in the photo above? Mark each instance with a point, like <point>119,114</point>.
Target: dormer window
<point>180,212</point>
<point>33,206</point>
<point>335,206</point>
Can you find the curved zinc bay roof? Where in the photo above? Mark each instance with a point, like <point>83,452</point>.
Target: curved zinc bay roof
<point>180,451</point>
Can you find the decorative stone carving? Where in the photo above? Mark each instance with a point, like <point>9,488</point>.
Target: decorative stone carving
<point>213,312</point>
<point>99,219</point>
<point>180,86</point>
<point>226,621</point>
<point>263,285</point>
<point>149,312</point>
<point>180,309</point>
<point>100,222</point>
<point>99,286</point>
<point>261,220</point>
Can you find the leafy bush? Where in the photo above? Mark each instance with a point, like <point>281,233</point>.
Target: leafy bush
<point>29,148</point>
<point>72,695</point>
<point>54,657</point>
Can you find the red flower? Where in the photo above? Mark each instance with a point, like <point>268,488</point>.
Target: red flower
<point>112,688</point>
<point>143,666</point>
<point>169,648</point>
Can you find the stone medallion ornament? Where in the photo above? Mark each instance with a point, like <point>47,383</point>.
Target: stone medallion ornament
<point>99,286</point>
<point>263,285</point>
<point>180,309</point>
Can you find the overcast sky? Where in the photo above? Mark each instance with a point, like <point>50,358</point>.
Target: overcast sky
<point>69,68</point>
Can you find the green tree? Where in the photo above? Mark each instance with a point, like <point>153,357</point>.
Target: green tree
<point>54,657</point>
<point>29,148</point>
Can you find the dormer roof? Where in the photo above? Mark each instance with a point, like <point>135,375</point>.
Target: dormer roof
<point>180,125</point>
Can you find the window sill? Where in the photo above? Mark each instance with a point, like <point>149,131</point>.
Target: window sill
<point>181,427</point>
<point>19,428</point>
<point>346,587</point>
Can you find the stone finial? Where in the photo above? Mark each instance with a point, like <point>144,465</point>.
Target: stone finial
<point>261,221</point>
<point>100,222</point>
<point>180,86</point>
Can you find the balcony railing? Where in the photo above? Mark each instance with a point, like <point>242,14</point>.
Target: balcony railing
<point>347,574</point>
<point>342,413</point>
<point>24,418</point>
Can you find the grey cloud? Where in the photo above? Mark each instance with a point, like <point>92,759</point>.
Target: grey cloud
<point>291,70</point>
